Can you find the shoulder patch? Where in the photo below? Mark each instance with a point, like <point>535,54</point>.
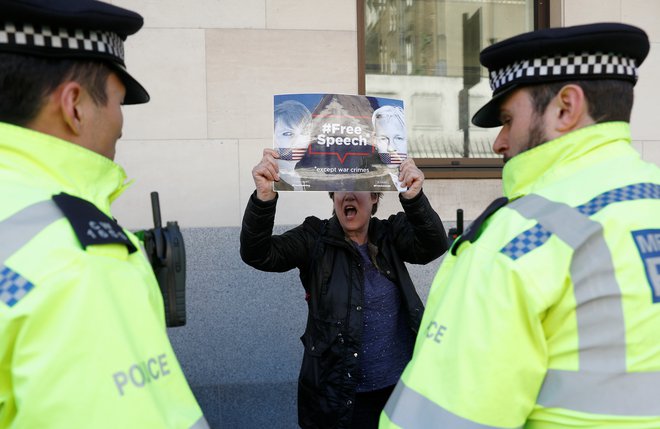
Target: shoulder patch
<point>472,231</point>
<point>90,224</point>
<point>13,286</point>
<point>648,245</point>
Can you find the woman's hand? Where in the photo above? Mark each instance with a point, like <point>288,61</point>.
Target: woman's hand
<point>411,177</point>
<point>265,173</point>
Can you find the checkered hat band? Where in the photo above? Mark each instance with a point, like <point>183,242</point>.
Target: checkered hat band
<point>65,39</point>
<point>577,65</point>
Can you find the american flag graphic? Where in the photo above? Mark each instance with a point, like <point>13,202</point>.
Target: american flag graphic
<point>392,157</point>
<point>289,154</point>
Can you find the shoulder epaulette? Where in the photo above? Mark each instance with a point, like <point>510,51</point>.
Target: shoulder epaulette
<point>90,224</point>
<point>472,231</point>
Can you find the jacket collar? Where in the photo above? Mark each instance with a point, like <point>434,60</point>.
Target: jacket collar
<point>335,233</point>
<point>60,166</point>
<point>560,157</point>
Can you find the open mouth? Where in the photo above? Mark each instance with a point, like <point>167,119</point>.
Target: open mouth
<point>350,211</point>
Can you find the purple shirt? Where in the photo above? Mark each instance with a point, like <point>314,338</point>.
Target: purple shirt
<point>387,341</point>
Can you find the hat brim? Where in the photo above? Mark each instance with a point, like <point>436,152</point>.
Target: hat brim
<point>489,114</point>
<point>135,93</point>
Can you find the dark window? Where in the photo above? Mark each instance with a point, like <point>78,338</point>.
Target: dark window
<point>426,52</point>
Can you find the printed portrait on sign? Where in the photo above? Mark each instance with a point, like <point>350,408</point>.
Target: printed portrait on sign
<point>291,136</point>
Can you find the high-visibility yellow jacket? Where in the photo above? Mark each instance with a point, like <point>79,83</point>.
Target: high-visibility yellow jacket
<point>83,342</point>
<point>550,317</point>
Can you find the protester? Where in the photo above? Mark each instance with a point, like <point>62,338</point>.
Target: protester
<point>363,310</point>
<point>545,313</point>
<point>83,342</point>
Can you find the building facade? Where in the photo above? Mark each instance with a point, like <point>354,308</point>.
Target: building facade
<point>212,68</point>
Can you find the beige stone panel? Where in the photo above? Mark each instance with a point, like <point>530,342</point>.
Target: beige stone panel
<point>311,14</point>
<point>197,182</point>
<point>586,11</point>
<point>389,205</point>
<point>243,77</point>
<point>644,14</point>
<point>170,65</point>
<point>645,115</point>
<point>198,13</point>
<point>473,196</point>
<point>556,13</point>
<point>292,207</point>
<point>249,155</point>
<point>639,147</point>
<point>446,196</point>
<point>651,152</point>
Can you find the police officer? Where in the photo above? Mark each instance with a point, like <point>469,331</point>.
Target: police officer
<point>546,312</point>
<point>83,342</point>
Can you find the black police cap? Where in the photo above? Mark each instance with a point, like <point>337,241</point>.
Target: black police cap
<point>582,52</point>
<point>72,29</point>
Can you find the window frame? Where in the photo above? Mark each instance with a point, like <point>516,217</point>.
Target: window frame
<point>448,168</point>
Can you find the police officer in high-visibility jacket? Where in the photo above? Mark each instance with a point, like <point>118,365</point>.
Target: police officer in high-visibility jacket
<point>83,342</point>
<point>546,312</point>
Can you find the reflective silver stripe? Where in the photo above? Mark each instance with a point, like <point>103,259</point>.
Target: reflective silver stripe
<point>22,226</point>
<point>200,424</point>
<point>410,410</point>
<point>599,312</point>
<point>622,394</point>
<point>602,340</point>
<point>602,384</point>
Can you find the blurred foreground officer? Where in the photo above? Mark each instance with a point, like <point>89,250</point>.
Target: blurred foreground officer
<point>82,332</point>
<point>547,312</point>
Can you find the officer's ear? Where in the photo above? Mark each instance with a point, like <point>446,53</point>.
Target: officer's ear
<point>70,99</point>
<point>569,110</point>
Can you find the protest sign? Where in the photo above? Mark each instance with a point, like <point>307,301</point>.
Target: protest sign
<point>337,142</point>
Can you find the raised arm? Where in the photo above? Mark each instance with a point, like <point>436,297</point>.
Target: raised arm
<point>419,234</point>
<point>259,247</point>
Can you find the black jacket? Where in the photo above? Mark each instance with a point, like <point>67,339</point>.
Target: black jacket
<point>331,273</point>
